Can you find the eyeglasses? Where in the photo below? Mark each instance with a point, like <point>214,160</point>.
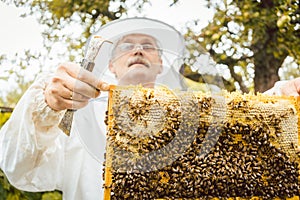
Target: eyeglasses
<point>125,47</point>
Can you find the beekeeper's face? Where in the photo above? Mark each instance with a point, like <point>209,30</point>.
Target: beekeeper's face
<point>136,60</point>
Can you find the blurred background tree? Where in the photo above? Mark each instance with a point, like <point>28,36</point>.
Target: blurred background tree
<point>254,44</point>
<point>253,40</point>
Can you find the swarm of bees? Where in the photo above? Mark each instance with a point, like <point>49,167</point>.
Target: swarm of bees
<point>164,144</point>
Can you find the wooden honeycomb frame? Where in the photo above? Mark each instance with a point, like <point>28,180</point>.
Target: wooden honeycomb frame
<point>256,148</point>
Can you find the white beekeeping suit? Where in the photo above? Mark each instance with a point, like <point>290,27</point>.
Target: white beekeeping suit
<point>37,156</point>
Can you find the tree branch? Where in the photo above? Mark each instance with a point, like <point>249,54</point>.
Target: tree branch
<point>238,79</point>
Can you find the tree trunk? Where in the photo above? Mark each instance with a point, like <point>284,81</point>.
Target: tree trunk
<point>266,73</point>
<point>265,62</point>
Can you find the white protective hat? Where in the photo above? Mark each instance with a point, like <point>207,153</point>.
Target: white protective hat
<point>171,43</point>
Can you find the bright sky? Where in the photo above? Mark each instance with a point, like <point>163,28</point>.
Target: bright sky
<point>17,33</point>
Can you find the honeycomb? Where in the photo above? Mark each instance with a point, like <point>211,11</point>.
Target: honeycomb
<point>168,144</point>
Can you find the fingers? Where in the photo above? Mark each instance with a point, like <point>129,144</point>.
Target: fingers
<point>60,103</point>
<point>291,88</point>
<point>297,85</point>
<point>102,86</point>
<point>71,87</point>
<point>82,79</point>
<point>287,89</point>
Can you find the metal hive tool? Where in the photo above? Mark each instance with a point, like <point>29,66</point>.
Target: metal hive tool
<point>164,144</point>
<point>87,64</point>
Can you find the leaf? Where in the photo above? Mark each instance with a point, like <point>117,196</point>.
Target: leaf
<point>52,196</point>
<point>13,196</point>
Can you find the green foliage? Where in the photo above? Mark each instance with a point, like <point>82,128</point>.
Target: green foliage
<point>3,118</point>
<point>290,71</point>
<point>21,70</point>
<point>56,195</point>
<point>9,192</point>
<point>252,36</point>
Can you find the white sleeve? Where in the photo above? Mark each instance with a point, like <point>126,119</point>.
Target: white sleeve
<point>31,144</point>
<point>276,90</point>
